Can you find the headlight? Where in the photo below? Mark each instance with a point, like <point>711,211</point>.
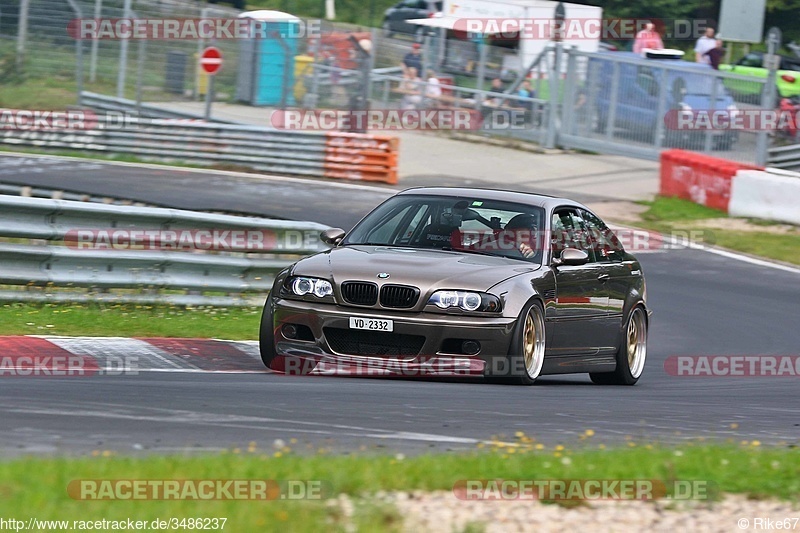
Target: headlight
<point>467,301</point>
<point>319,287</point>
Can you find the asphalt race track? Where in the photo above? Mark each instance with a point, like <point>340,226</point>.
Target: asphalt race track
<point>704,303</point>
<point>201,190</point>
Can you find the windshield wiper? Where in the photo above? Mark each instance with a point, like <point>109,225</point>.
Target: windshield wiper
<point>377,244</point>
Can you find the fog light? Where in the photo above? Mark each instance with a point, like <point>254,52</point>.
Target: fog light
<point>470,347</point>
<point>289,331</point>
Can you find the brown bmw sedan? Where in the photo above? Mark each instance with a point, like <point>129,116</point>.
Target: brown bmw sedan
<point>502,285</point>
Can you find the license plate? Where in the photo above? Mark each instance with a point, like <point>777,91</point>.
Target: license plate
<point>371,324</point>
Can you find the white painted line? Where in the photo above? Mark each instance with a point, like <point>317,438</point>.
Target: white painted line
<point>712,250</point>
<point>744,258</point>
<point>250,422</point>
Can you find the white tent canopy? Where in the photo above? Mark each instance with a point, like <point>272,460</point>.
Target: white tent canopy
<point>458,23</point>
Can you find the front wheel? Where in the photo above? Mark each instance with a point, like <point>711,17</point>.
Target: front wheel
<point>631,355</point>
<point>525,358</point>
<point>266,338</point>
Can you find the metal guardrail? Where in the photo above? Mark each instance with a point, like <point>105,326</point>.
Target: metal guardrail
<point>335,154</point>
<point>785,157</point>
<point>142,272</point>
<point>101,102</point>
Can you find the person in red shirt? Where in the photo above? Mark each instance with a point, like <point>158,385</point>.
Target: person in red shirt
<point>647,38</point>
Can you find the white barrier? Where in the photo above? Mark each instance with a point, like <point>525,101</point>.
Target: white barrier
<point>771,194</point>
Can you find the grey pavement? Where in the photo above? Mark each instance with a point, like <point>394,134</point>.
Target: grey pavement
<point>428,158</point>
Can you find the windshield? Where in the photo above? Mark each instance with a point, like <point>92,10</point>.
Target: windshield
<point>471,225</point>
<point>698,84</point>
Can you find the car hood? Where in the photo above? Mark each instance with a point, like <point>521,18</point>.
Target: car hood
<point>426,269</point>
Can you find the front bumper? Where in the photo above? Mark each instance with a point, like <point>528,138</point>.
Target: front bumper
<point>433,359</point>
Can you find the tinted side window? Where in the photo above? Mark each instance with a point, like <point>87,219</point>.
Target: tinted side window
<point>751,60</point>
<point>568,232</point>
<point>645,78</point>
<point>605,244</point>
<point>790,64</point>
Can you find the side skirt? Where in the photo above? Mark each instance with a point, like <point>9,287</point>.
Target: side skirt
<point>576,364</point>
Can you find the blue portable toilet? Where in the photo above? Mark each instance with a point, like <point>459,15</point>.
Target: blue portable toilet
<point>266,60</point>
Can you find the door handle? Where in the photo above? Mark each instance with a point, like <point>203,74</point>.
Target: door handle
<point>603,277</point>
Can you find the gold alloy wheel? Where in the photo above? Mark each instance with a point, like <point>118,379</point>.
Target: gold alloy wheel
<point>637,342</point>
<point>533,342</point>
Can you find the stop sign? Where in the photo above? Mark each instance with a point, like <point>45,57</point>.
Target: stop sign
<point>211,60</point>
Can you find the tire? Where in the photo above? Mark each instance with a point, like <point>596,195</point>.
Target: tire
<point>526,354</point>
<point>266,338</point>
<point>387,29</point>
<point>632,352</point>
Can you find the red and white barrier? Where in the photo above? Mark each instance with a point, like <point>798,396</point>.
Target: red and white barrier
<point>771,194</point>
<point>703,179</point>
<point>738,189</point>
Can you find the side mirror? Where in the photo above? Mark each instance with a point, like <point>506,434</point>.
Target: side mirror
<point>332,236</point>
<point>571,257</point>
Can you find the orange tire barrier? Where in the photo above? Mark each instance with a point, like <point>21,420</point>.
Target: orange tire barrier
<point>362,157</point>
<point>703,179</point>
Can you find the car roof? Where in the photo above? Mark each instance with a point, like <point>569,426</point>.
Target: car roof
<point>540,200</point>
<point>666,62</point>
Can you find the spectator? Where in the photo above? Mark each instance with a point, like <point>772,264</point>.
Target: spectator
<point>433,89</point>
<point>647,38</point>
<point>499,89</point>
<point>703,45</point>
<point>715,55</point>
<point>525,90</point>
<point>411,88</point>
<point>413,59</point>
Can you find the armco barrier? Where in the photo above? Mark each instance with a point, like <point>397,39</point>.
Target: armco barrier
<point>700,178</point>
<point>339,155</point>
<point>66,271</point>
<point>771,194</point>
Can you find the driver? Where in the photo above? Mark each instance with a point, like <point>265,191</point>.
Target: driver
<point>524,230</point>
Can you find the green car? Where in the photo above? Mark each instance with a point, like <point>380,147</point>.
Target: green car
<point>788,81</point>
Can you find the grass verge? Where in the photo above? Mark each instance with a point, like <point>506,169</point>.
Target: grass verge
<point>129,320</point>
<point>668,215</point>
<point>39,485</point>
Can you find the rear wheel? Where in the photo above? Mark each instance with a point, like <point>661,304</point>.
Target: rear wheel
<point>525,357</point>
<point>266,338</point>
<point>387,29</point>
<point>631,355</point>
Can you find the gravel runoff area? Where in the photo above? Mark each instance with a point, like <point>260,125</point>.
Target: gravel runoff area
<point>442,511</point>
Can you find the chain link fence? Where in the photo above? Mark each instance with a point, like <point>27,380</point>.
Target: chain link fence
<point>606,102</point>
